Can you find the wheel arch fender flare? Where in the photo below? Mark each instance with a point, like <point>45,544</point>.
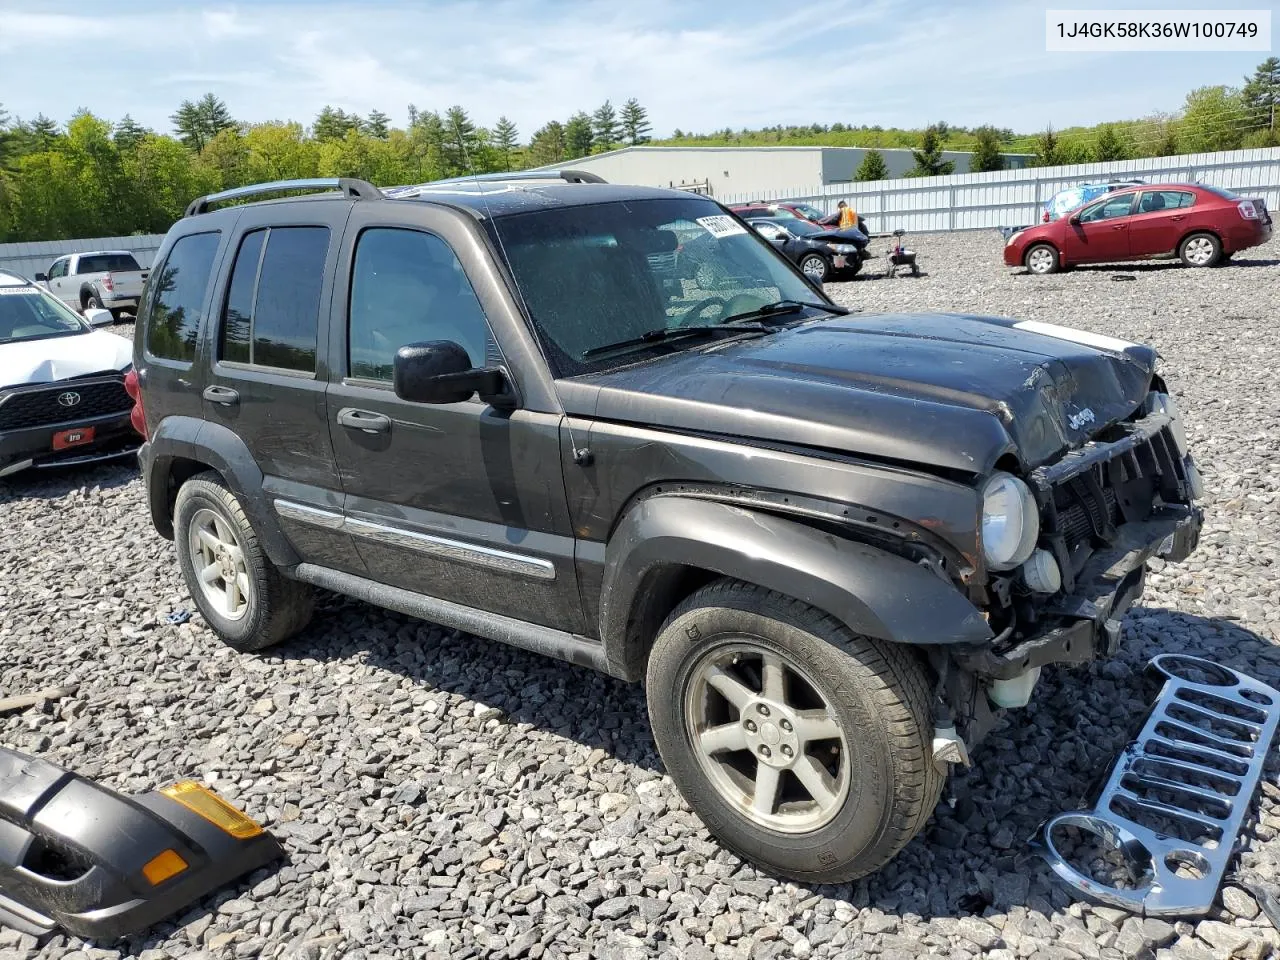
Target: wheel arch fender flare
<point>88,290</point>
<point>188,440</point>
<point>870,590</point>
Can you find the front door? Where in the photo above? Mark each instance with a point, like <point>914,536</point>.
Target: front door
<point>459,501</point>
<point>58,280</point>
<point>1156,224</point>
<point>1102,232</point>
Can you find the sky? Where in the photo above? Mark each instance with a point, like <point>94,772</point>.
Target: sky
<point>694,66</point>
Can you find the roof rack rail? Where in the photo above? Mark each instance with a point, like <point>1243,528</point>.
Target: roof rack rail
<point>568,176</point>
<point>354,189</point>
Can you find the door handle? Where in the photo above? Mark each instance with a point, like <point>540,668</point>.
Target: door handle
<point>1177,218</point>
<point>223,395</point>
<point>364,420</point>
<point>1119,226</point>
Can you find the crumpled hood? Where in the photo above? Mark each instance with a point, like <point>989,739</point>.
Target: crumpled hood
<point>57,358</point>
<point>953,391</point>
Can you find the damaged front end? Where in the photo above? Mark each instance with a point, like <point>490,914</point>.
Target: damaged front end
<point>77,856</point>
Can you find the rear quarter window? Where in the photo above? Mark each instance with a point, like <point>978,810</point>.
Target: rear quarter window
<point>178,293</point>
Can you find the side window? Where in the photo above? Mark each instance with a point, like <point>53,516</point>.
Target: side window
<point>1108,209</point>
<point>177,292</point>
<point>407,287</point>
<point>1155,201</point>
<point>59,269</point>
<point>273,301</point>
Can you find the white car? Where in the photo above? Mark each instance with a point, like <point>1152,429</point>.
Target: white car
<point>62,389</point>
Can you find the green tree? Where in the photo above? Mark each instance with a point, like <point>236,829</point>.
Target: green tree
<point>1109,145</point>
<point>331,124</point>
<point>44,133</point>
<point>462,142</point>
<point>635,123</point>
<point>986,151</point>
<point>1261,95</point>
<point>505,141</point>
<point>578,135</point>
<point>929,162</point>
<point>378,125</point>
<point>129,133</point>
<point>199,122</point>
<point>872,167</point>
<point>604,127</point>
<point>1047,149</point>
<point>1213,118</point>
<point>548,145</point>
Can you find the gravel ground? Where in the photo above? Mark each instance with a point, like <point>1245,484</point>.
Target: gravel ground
<point>443,796</point>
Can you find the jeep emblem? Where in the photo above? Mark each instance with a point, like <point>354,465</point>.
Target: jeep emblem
<point>69,399</point>
<point>1081,418</point>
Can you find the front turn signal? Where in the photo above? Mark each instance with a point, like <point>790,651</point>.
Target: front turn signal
<point>213,808</point>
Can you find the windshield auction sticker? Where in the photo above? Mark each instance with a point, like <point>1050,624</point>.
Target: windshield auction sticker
<point>19,292</point>
<point>721,226</point>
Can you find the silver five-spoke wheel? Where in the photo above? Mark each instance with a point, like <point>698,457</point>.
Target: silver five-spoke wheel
<point>1041,260</point>
<point>218,559</point>
<point>767,737</point>
<point>1200,250</point>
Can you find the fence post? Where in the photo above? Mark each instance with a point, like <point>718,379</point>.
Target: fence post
<point>951,204</point>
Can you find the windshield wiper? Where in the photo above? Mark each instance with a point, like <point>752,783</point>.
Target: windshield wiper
<point>779,307</point>
<point>662,334</point>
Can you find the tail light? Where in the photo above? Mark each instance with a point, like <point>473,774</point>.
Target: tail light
<point>108,283</point>
<point>137,416</point>
<point>1248,210</point>
<point>1045,218</point>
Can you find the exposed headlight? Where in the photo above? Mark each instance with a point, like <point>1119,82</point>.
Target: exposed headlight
<point>1010,522</point>
<point>1163,403</point>
<point>843,248</point>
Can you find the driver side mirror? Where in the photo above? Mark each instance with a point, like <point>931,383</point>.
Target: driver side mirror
<point>440,371</point>
<point>1074,220</point>
<point>98,317</point>
<point>42,278</point>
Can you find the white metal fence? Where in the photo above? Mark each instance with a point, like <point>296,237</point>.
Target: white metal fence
<point>28,259</point>
<point>1008,198</point>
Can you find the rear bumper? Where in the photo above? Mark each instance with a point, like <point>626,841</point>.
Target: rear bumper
<point>114,436</point>
<point>1246,234</point>
<point>120,303</point>
<point>1086,622</point>
<point>73,853</point>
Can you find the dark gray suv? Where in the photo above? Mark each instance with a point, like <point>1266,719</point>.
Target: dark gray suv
<point>612,425</point>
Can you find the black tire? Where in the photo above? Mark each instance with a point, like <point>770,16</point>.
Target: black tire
<point>277,607</point>
<point>854,267</point>
<point>1200,250</point>
<point>1042,259</point>
<point>813,259</point>
<point>878,693</point>
<point>91,302</point>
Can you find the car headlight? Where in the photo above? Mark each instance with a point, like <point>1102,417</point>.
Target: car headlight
<point>1163,403</point>
<point>1012,237</point>
<point>1010,522</point>
<point>843,248</point>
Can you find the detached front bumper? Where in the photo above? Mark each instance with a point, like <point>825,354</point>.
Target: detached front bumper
<point>1086,622</point>
<point>101,865</point>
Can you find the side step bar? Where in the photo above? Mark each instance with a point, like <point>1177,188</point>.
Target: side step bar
<point>518,633</point>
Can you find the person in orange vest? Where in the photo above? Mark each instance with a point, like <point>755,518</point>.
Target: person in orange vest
<point>848,218</point>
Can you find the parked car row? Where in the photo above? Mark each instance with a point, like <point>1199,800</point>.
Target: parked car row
<point>1200,224</point>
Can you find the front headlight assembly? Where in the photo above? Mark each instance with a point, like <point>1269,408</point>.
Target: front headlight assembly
<point>1010,522</point>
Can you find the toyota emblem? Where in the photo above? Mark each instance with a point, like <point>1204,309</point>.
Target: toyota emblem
<point>69,399</point>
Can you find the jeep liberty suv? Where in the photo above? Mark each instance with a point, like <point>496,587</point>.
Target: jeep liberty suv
<point>612,425</point>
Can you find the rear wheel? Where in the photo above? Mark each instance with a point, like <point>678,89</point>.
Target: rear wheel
<point>91,302</point>
<point>1200,250</point>
<point>247,601</point>
<point>802,746</point>
<point>1043,259</point>
<point>815,265</point>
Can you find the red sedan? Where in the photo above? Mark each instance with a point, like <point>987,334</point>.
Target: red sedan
<point>1202,225</point>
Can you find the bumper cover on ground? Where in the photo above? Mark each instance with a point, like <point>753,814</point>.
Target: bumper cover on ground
<point>76,855</point>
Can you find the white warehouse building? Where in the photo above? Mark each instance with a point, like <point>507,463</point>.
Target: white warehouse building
<point>733,171</point>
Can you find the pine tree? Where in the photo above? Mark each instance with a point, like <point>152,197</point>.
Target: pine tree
<point>872,167</point>
<point>604,126</point>
<point>505,140</point>
<point>1047,150</point>
<point>331,124</point>
<point>378,125</point>
<point>929,162</point>
<point>198,123</point>
<point>215,115</point>
<point>578,136</point>
<point>986,151</point>
<point>461,141</point>
<point>1261,94</point>
<point>128,133</point>
<point>548,144</point>
<point>1108,145</point>
<point>635,123</point>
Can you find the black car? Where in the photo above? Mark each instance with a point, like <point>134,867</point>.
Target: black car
<point>819,252</point>
<point>833,546</point>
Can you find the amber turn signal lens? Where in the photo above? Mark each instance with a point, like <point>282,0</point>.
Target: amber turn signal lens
<point>213,808</point>
<point>162,867</point>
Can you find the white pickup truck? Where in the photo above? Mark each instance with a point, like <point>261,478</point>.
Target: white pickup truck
<point>102,279</point>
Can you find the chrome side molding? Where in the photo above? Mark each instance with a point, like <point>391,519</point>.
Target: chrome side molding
<point>1167,819</point>
<point>428,544</point>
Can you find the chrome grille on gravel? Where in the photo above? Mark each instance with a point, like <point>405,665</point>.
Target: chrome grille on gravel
<point>40,407</point>
<point>1168,816</point>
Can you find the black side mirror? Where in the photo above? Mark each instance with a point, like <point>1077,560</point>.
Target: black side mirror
<point>42,278</point>
<point>439,371</point>
<point>1074,220</point>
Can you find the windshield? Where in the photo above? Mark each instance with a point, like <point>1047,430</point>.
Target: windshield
<point>805,210</point>
<point>601,274</point>
<point>28,314</point>
<point>107,263</point>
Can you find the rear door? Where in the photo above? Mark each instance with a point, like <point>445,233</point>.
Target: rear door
<point>1159,221</point>
<point>461,501</point>
<point>1102,232</point>
<point>267,373</point>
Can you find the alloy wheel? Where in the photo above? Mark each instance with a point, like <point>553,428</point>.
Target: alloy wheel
<point>1040,260</point>
<point>218,560</point>
<point>1199,250</point>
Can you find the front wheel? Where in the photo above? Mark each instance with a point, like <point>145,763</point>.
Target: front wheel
<point>815,266</point>
<point>1043,259</point>
<point>802,746</point>
<point>1200,250</point>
